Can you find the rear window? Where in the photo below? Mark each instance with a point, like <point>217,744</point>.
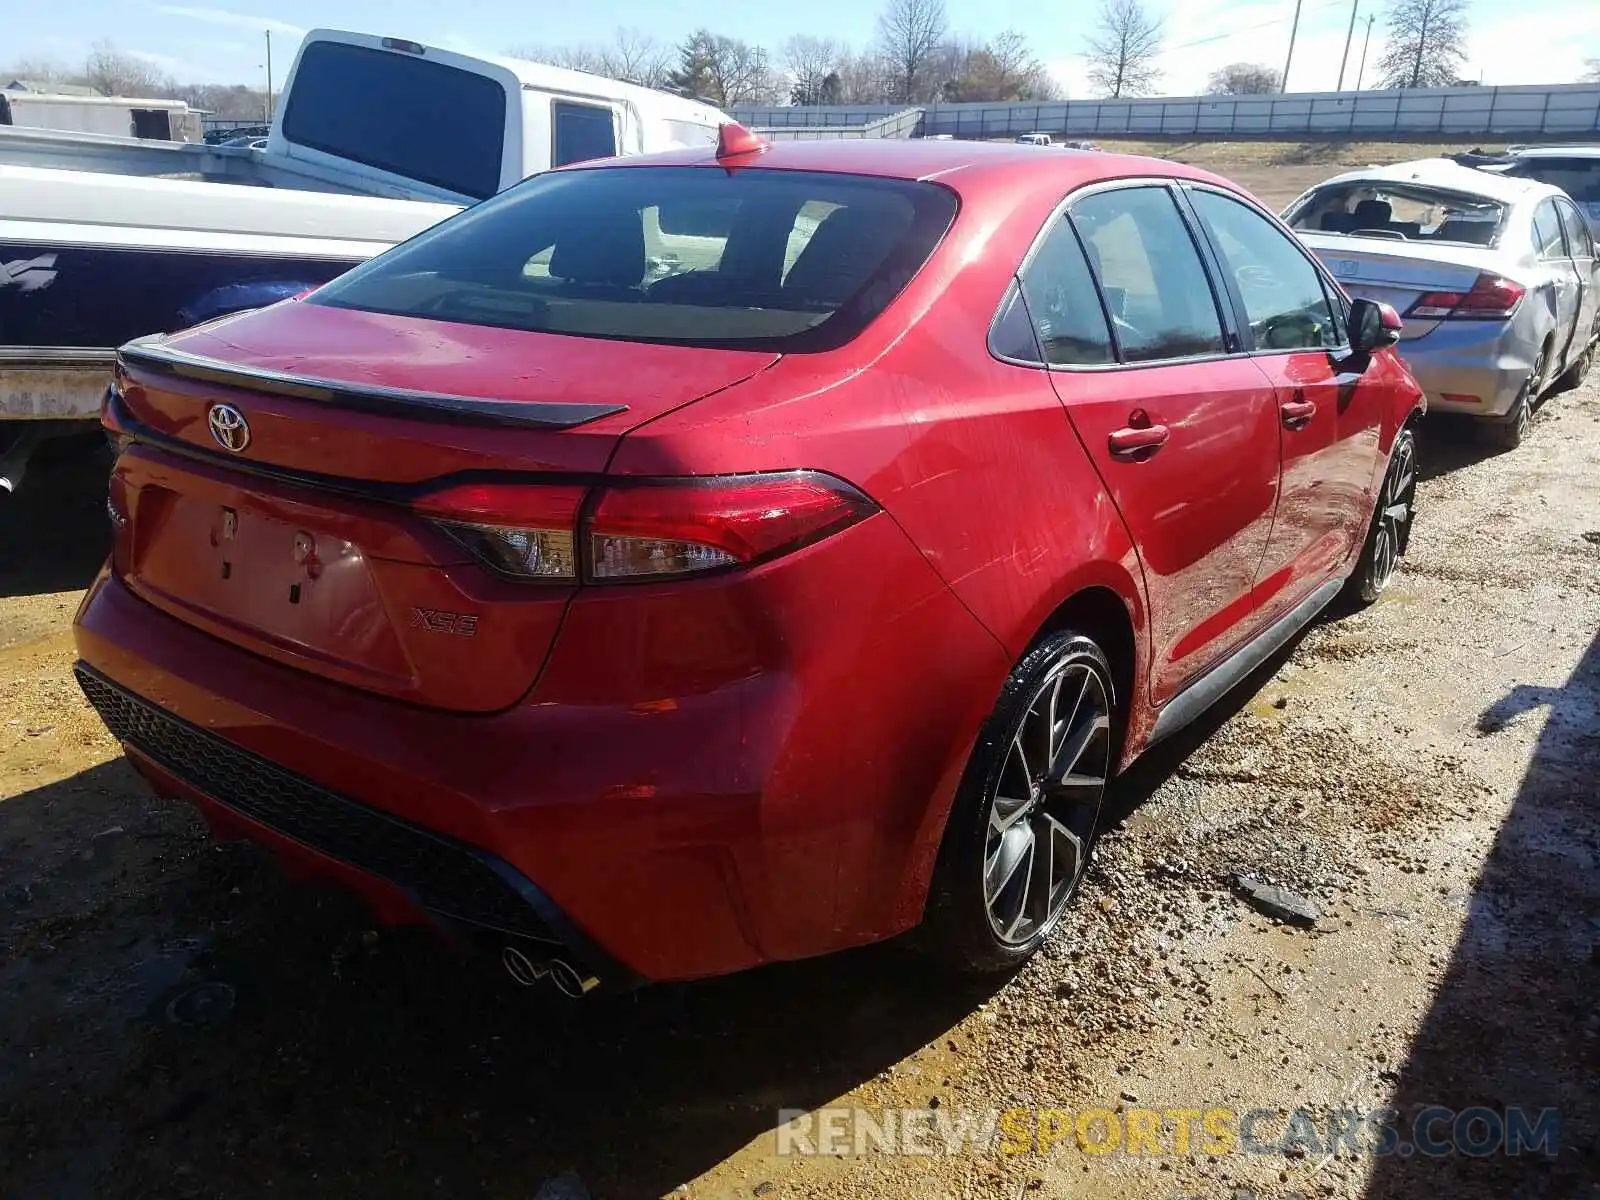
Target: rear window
<point>782,260</point>
<point>1577,177</point>
<point>399,113</point>
<point>1404,212</point>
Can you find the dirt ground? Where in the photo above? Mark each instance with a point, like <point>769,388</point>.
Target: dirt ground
<point>178,1020</point>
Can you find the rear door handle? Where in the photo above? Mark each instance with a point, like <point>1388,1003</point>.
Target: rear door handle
<point>1297,414</point>
<point>1138,442</point>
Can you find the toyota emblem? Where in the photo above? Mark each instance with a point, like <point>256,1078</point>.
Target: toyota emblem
<point>228,427</point>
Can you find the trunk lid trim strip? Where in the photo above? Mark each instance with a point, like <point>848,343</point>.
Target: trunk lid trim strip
<point>375,398</point>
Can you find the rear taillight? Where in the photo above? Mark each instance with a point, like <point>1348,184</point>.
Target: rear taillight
<point>521,530</point>
<point>1489,298</point>
<point>680,527</point>
<point>645,529</point>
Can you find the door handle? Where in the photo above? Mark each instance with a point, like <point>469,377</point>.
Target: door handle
<point>1297,414</point>
<point>1138,442</point>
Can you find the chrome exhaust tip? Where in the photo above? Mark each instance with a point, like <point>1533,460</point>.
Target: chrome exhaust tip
<point>562,974</point>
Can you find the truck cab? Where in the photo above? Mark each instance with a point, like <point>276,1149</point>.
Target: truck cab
<point>424,122</point>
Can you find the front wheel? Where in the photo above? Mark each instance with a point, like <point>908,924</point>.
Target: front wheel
<point>1390,530</point>
<point>1023,824</point>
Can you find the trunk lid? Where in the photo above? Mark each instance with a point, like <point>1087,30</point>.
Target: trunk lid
<point>1396,273</point>
<point>299,543</point>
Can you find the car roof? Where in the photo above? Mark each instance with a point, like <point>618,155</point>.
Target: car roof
<point>1450,176</point>
<point>1555,151</point>
<point>962,165</point>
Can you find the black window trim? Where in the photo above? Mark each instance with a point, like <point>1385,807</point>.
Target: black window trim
<point>600,105</point>
<point>1338,302</point>
<point>1228,317</point>
<point>1571,220</point>
<point>1555,211</point>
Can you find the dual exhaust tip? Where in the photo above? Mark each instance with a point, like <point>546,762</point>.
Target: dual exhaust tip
<point>563,975</point>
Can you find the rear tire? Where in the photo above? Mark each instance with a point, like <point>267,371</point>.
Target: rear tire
<point>1390,530</point>
<point>1510,431</point>
<point>1022,829</point>
<point>1574,375</point>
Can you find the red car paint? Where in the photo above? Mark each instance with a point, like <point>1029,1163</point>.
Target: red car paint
<point>701,774</point>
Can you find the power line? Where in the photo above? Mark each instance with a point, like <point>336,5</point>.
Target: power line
<point>1233,33</point>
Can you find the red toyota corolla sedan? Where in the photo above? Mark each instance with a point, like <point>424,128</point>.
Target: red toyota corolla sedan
<point>673,565</point>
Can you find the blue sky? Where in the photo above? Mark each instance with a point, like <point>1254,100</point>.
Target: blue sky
<point>1533,41</point>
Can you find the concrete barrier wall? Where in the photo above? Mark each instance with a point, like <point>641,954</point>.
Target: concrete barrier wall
<point>1565,110</point>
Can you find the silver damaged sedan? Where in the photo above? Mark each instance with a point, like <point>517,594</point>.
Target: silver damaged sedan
<point>1496,278</point>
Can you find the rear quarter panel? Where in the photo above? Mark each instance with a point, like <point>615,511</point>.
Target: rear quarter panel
<point>974,458</point>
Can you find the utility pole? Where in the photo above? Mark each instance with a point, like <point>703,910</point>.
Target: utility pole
<point>1293,30</point>
<point>1371,17</point>
<point>269,77</point>
<point>1348,37</point>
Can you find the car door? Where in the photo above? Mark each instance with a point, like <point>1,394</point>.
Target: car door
<point>1329,420</point>
<point>1181,428</point>
<point>1580,248</point>
<point>1566,292</point>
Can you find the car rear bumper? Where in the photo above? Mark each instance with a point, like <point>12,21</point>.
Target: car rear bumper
<point>1489,361</point>
<point>707,776</point>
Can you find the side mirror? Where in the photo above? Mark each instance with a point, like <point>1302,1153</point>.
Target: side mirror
<point>1373,326</point>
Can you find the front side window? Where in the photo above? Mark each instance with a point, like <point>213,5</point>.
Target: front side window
<point>782,260</point>
<point>1547,241</point>
<point>1062,300</point>
<point>400,113</point>
<point>582,132</point>
<point>1399,211</point>
<point>1150,274</point>
<point>1283,295</point>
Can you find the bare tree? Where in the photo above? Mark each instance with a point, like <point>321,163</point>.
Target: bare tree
<point>112,72</point>
<point>38,70</point>
<point>909,32</point>
<point>1245,79</point>
<point>725,71</point>
<point>812,62</point>
<point>1124,49</point>
<point>638,58</point>
<point>235,101</point>
<point>1427,44</point>
<point>630,56</point>
<point>1005,69</point>
<point>1591,70</point>
<point>863,79</point>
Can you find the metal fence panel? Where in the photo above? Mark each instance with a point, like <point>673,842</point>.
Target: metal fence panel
<point>1566,110</point>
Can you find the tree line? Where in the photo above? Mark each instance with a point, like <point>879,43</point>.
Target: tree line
<point>113,72</point>
<point>913,58</point>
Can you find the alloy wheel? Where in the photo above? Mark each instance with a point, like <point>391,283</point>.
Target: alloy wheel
<point>1394,515</point>
<point>1046,803</point>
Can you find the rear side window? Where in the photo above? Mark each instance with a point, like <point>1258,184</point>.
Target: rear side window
<point>1061,299</point>
<point>1150,273</point>
<point>399,113</point>
<point>582,132</point>
<point>1578,235</point>
<point>1282,292</point>
<point>783,260</point>
<point>1547,241</point>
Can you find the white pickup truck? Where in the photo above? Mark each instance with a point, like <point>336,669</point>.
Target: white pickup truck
<point>103,239</point>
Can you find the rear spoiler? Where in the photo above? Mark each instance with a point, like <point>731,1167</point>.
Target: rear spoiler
<point>149,353</point>
<point>1483,160</point>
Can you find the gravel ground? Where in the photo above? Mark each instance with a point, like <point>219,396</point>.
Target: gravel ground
<point>177,1020</point>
